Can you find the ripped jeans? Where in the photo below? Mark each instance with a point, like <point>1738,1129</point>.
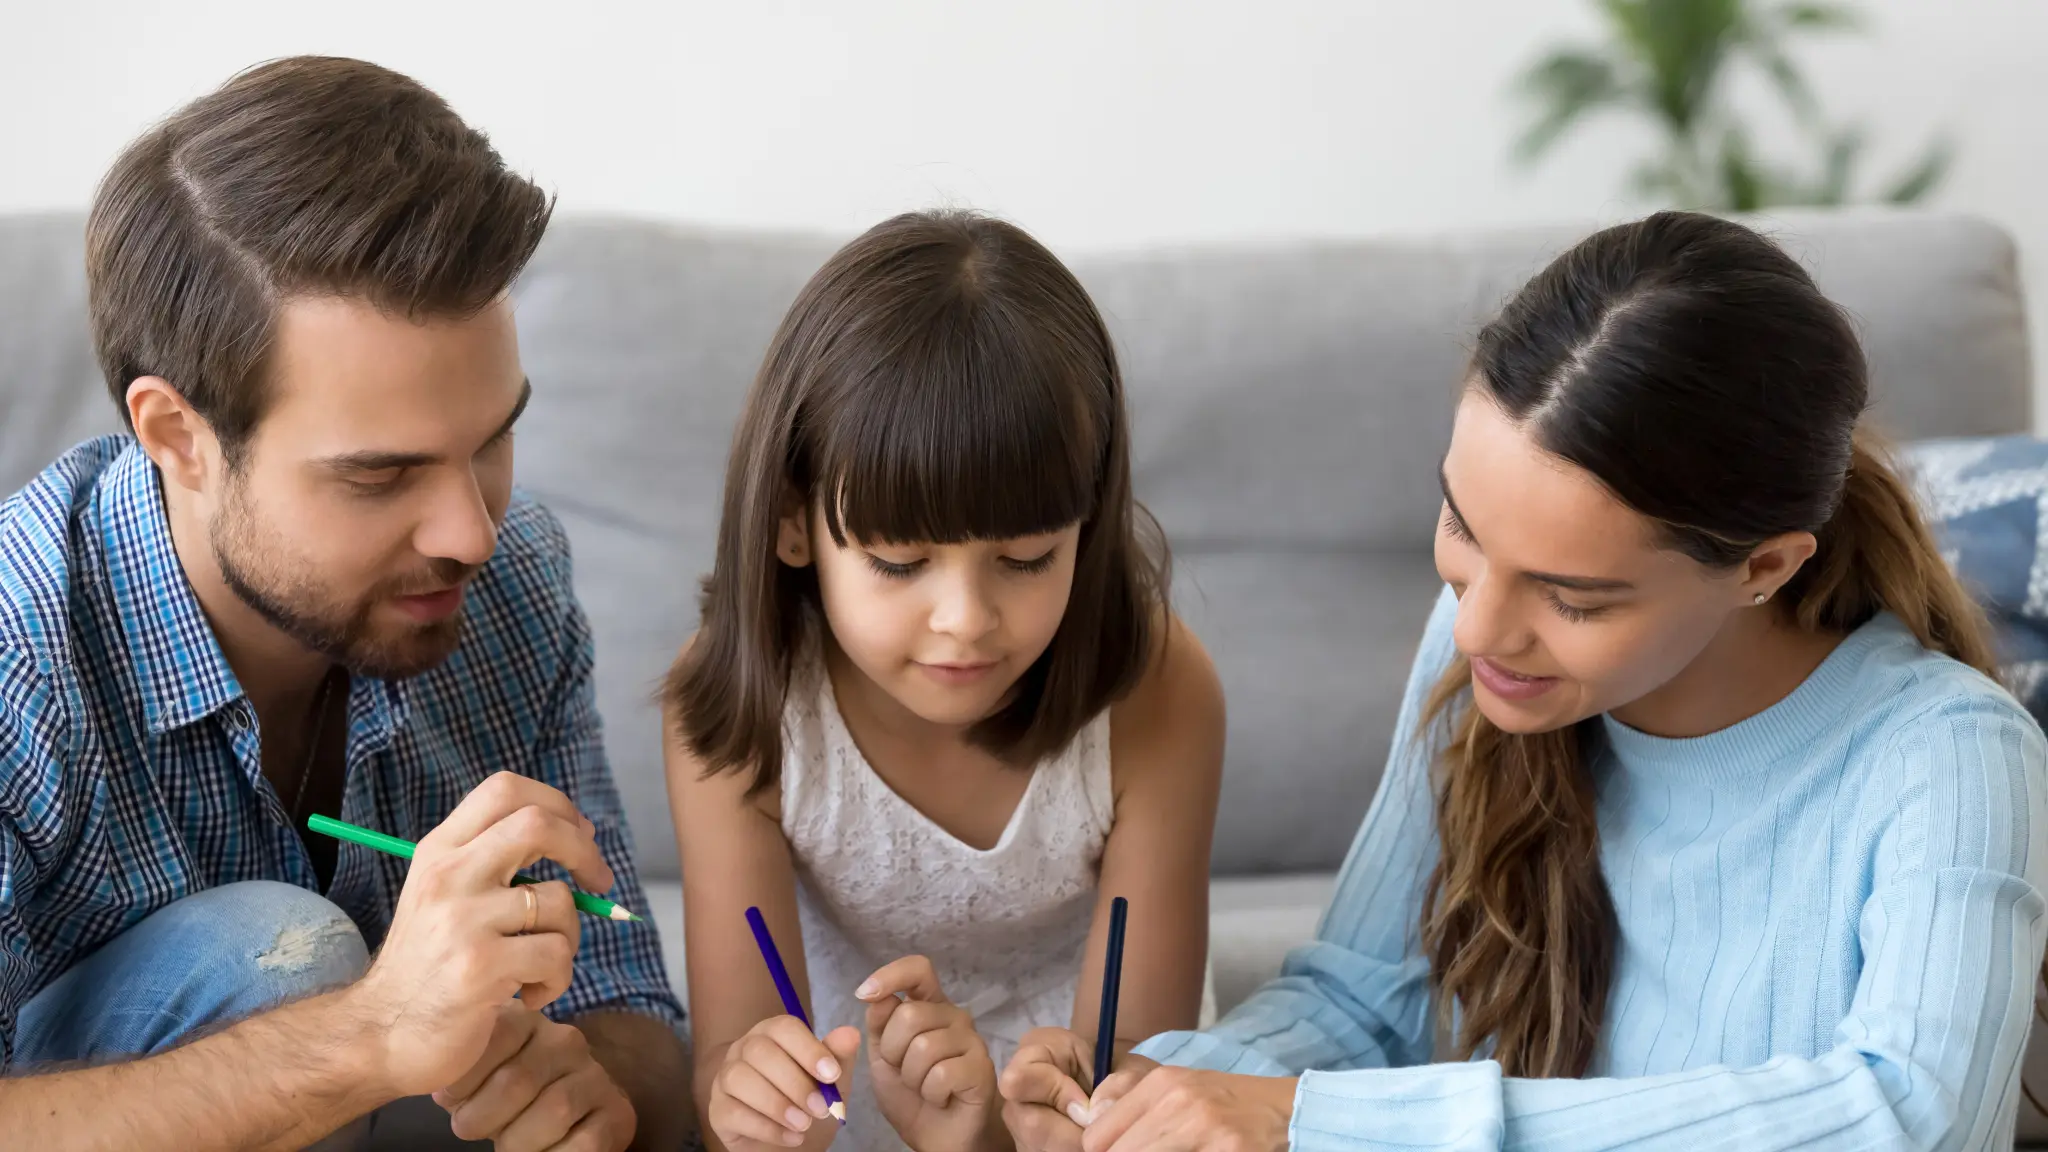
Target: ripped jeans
<point>194,965</point>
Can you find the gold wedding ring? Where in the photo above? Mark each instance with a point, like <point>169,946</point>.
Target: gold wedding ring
<point>532,909</point>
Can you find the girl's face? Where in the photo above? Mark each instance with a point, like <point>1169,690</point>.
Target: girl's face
<point>1568,606</point>
<point>944,629</point>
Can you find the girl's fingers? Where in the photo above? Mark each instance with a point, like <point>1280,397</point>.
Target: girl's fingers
<point>910,1020</point>
<point>746,1103</point>
<point>794,1037</point>
<point>1036,1077</point>
<point>930,1049</point>
<point>964,1078</point>
<point>912,977</point>
<point>771,1083</point>
<point>797,1085</point>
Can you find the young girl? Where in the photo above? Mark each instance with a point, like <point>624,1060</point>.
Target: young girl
<point>937,713</point>
<point>1705,825</point>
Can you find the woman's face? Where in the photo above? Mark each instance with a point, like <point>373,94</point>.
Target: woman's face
<point>1567,605</point>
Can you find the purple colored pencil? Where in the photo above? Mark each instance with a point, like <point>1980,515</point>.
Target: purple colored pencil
<point>790,1003</point>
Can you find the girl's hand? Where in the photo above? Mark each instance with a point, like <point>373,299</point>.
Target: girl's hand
<point>934,1081</point>
<point>1185,1110</point>
<point>1046,1105</point>
<point>766,1095</point>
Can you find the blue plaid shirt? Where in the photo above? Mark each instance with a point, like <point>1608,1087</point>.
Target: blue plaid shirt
<point>130,767</point>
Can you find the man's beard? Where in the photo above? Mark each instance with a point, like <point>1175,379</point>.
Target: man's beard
<point>290,598</point>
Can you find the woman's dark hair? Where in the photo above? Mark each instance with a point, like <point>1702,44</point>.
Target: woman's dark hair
<point>1692,367</point>
<point>943,378</point>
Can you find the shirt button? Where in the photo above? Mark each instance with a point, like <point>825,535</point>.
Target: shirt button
<point>238,718</point>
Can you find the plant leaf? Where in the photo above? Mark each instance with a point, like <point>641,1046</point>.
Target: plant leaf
<point>1786,77</point>
<point>1922,178</point>
<point>1568,85</point>
<point>1678,47</point>
<point>1838,166</point>
<point>1818,17</point>
<point>1743,186</point>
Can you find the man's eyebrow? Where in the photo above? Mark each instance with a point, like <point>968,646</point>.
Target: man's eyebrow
<point>1573,583</point>
<point>373,460</point>
<point>518,410</point>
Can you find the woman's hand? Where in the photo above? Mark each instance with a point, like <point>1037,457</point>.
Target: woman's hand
<point>1186,1110</point>
<point>1045,1104</point>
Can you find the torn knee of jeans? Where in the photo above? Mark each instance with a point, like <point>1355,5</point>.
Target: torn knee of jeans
<point>309,943</point>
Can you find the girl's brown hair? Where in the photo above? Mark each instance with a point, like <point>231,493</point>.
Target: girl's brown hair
<point>1696,370</point>
<point>943,378</point>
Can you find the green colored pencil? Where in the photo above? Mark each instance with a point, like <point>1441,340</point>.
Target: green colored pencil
<point>342,830</point>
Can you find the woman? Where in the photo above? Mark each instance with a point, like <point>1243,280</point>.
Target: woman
<point>1704,823</point>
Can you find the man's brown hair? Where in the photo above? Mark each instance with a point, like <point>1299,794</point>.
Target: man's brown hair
<point>313,175</point>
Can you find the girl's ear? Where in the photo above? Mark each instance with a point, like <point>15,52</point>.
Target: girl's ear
<point>793,534</point>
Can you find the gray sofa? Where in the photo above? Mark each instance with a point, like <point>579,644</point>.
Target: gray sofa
<point>1290,404</point>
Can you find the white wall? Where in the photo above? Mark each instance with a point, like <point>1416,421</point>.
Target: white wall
<point>1096,123</point>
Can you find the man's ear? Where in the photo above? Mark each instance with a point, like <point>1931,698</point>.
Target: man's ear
<point>173,433</point>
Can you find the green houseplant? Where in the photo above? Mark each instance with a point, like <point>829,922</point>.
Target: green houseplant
<point>1671,61</point>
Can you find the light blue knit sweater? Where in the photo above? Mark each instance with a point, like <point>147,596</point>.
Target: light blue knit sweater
<point>1831,918</point>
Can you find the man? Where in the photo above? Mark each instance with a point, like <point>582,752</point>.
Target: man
<point>304,585</point>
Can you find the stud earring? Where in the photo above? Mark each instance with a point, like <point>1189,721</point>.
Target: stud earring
<point>1762,596</point>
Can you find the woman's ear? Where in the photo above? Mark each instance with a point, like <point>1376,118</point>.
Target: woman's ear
<point>793,534</point>
<point>1773,564</point>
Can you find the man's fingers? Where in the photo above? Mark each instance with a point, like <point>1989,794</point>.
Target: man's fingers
<point>601,1131</point>
<point>560,1107</point>
<point>539,966</point>
<point>516,1025</point>
<point>517,1085</point>
<point>553,904</point>
<point>912,977</point>
<point>535,833</point>
<point>491,801</point>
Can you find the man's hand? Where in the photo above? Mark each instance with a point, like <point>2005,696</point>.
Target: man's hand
<point>463,941</point>
<point>538,1087</point>
<point>933,1079</point>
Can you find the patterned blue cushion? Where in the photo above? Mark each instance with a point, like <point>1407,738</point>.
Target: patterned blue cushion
<point>1987,499</point>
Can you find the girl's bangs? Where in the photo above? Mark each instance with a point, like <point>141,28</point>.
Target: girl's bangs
<point>951,448</point>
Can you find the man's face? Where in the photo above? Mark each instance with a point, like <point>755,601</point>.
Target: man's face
<point>371,491</point>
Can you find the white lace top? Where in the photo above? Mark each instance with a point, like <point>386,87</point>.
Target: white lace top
<point>878,880</point>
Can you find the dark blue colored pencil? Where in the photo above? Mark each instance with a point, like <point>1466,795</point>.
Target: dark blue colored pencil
<point>1112,982</point>
<point>790,1003</point>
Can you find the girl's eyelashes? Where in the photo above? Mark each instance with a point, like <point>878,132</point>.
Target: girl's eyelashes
<point>1033,566</point>
<point>893,571</point>
<point>909,568</point>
